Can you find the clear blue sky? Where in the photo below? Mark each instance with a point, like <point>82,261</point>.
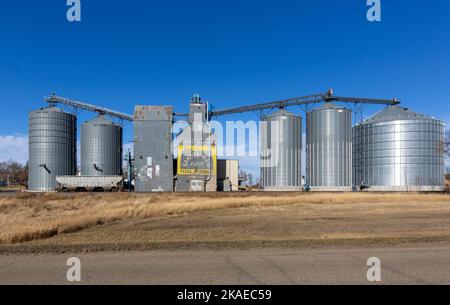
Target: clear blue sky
<point>232,52</point>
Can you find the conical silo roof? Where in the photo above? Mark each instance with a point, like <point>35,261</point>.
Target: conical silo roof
<point>394,113</point>
<point>281,112</point>
<point>51,108</point>
<point>327,106</point>
<point>101,120</point>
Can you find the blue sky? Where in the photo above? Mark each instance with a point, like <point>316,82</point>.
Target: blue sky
<point>232,52</point>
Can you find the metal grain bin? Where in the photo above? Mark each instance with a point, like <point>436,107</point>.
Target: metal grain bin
<point>281,145</point>
<point>329,148</point>
<point>399,150</point>
<point>52,147</point>
<point>101,148</point>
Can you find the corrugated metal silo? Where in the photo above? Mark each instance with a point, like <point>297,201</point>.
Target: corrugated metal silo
<point>329,145</point>
<point>281,145</point>
<point>101,148</point>
<point>399,150</point>
<point>52,147</point>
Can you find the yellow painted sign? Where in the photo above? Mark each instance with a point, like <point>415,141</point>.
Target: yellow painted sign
<point>197,160</point>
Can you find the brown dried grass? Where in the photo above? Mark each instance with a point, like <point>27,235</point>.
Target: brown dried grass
<point>28,216</point>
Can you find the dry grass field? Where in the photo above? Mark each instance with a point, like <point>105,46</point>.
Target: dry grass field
<point>122,221</point>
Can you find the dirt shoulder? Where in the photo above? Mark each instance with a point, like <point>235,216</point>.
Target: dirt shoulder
<point>109,222</point>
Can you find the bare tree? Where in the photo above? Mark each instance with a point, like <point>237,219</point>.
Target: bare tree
<point>16,173</point>
<point>243,176</point>
<point>248,178</point>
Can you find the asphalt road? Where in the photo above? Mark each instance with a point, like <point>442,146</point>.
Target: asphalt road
<point>399,265</point>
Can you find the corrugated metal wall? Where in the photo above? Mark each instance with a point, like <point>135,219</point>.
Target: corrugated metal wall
<point>101,148</point>
<point>52,147</point>
<point>329,144</point>
<point>281,145</point>
<point>399,150</point>
<point>153,163</point>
